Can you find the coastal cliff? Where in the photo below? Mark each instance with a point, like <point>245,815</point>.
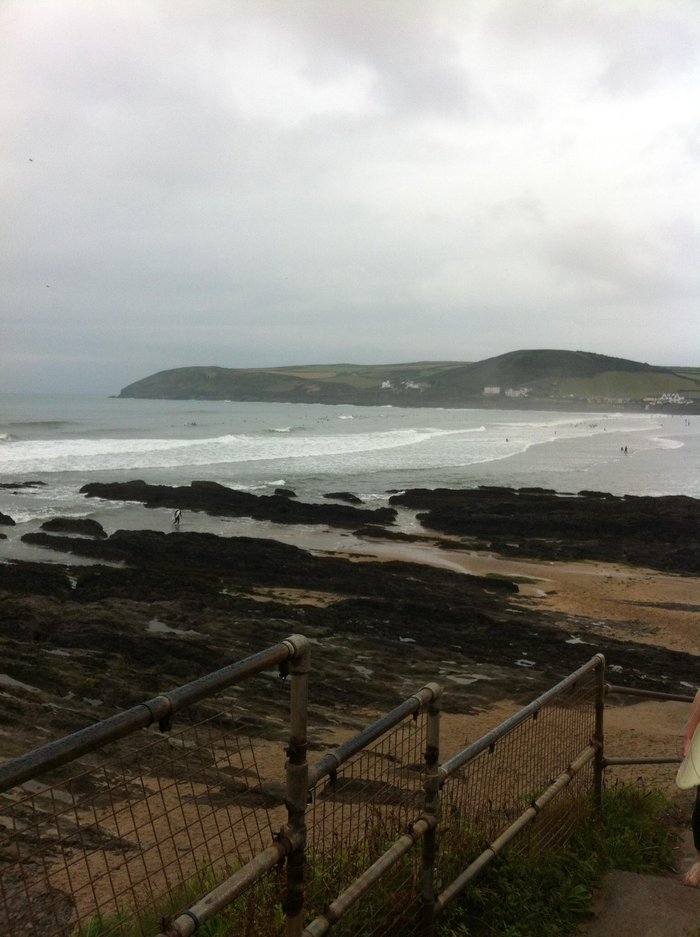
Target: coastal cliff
<point>539,379</point>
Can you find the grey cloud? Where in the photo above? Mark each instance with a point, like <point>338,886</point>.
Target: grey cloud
<point>429,205</point>
<point>614,262</point>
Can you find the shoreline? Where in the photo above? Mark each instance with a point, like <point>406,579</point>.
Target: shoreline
<point>120,615</point>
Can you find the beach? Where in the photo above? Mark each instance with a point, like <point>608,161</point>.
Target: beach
<point>272,542</point>
<point>118,617</point>
<point>99,621</point>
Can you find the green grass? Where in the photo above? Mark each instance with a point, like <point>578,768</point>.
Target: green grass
<point>550,895</point>
<point>518,895</point>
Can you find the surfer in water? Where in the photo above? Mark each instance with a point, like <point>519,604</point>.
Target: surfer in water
<point>177,516</point>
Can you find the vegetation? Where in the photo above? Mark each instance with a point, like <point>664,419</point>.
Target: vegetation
<point>568,377</point>
<point>518,895</point>
<point>549,895</point>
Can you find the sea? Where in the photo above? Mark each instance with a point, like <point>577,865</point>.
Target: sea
<point>314,450</point>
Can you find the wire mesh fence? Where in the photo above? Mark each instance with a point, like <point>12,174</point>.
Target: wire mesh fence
<point>149,826</point>
<point>153,824</point>
<point>504,778</point>
<point>355,815</point>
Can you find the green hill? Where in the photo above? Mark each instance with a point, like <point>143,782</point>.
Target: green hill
<point>519,378</point>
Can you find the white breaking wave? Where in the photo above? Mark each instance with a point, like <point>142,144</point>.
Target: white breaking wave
<point>91,455</point>
<point>663,442</point>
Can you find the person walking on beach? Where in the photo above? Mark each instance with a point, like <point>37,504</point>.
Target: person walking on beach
<point>692,876</point>
<point>177,517</point>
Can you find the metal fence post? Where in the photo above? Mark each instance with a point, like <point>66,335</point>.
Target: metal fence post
<point>599,737</point>
<point>297,771</point>
<point>432,808</point>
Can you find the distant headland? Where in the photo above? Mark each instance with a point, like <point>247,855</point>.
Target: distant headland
<point>536,379</point>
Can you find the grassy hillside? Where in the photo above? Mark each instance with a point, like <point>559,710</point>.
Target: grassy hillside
<point>332,383</point>
<point>549,375</point>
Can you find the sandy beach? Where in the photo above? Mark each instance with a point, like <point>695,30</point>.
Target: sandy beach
<point>612,599</point>
<point>154,610</point>
<point>387,608</point>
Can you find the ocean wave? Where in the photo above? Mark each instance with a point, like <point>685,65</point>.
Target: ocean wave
<point>663,442</point>
<point>108,454</point>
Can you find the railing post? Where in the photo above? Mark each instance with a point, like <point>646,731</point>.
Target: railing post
<point>297,771</point>
<point>599,736</point>
<point>432,808</point>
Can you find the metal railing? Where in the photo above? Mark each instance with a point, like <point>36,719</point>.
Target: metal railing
<point>161,815</point>
<point>173,828</point>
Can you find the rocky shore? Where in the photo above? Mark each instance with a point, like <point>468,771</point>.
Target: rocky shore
<point>151,610</point>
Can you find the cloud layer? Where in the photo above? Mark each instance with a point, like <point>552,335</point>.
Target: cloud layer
<point>257,182</point>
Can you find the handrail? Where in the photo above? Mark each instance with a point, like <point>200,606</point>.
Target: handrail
<point>490,853</point>
<point>218,898</point>
<point>335,910</point>
<point>449,767</point>
<point>159,709</point>
<point>330,763</point>
<point>649,694</point>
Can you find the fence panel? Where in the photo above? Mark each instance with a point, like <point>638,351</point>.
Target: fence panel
<point>180,810</point>
<point>355,815</point>
<point>162,818</point>
<point>151,821</point>
<point>493,788</point>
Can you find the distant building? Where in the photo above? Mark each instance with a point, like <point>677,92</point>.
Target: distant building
<point>517,391</point>
<point>667,398</point>
<point>491,391</point>
<point>386,385</point>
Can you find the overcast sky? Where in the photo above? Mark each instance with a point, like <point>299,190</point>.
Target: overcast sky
<point>252,183</point>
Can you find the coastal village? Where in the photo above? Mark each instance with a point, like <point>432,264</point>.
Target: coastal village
<point>667,399</point>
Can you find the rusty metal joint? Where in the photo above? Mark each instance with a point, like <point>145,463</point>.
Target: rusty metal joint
<point>296,753</point>
<point>431,755</point>
<point>286,842</point>
<point>193,917</point>
<point>174,929</point>
<point>164,719</point>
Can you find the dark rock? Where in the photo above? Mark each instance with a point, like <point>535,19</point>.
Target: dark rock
<point>343,496</point>
<point>285,493</point>
<point>75,525</point>
<point>216,499</point>
<point>93,623</point>
<point>6,520</point>
<point>34,579</point>
<point>17,485</point>
<point>662,533</point>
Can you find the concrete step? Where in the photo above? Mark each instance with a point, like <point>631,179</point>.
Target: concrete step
<point>633,905</point>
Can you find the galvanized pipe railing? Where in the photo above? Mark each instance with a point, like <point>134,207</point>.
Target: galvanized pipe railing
<point>490,853</point>
<point>330,763</point>
<point>432,810</point>
<point>159,709</point>
<point>649,694</point>
<point>297,770</point>
<point>453,765</point>
<point>300,778</point>
<point>352,894</point>
<point>220,897</point>
<point>290,842</point>
<point>611,688</point>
